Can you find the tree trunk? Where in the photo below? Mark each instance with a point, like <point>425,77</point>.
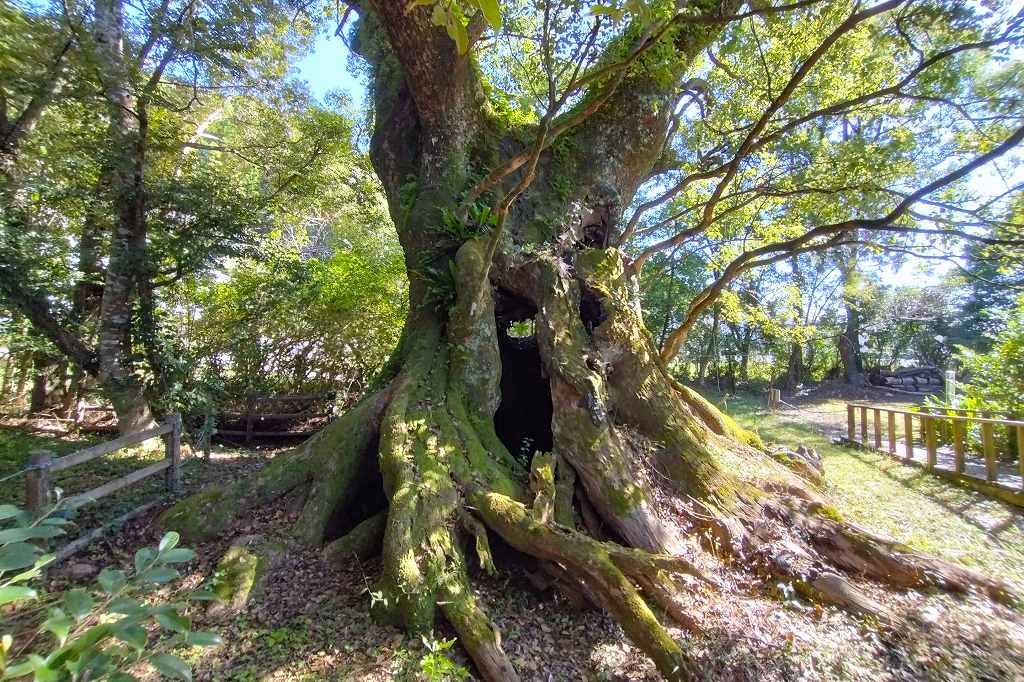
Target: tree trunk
<point>127,136</point>
<point>613,437</point>
<point>849,341</point>
<point>5,386</point>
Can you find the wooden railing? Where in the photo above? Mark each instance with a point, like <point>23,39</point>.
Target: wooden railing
<point>926,434</point>
<point>43,465</point>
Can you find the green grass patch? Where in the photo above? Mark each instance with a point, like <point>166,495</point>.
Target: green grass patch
<point>876,491</point>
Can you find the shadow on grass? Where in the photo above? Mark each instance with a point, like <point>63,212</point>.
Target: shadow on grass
<point>935,488</point>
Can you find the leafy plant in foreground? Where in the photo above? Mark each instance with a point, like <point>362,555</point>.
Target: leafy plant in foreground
<point>95,633</point>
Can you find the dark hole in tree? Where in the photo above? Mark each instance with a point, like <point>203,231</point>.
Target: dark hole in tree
<point>368,499</point>
<point>591,311</point>
<point>523,419</point>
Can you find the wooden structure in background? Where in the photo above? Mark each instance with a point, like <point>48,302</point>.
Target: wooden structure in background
<point>950,459</point>
<point>276,416</point>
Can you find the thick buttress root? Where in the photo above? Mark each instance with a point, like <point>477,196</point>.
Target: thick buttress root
<point>605,521</point>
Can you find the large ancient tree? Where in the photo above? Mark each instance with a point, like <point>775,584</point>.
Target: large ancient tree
<point>507,219</point>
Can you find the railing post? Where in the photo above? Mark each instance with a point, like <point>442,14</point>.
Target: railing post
<point>988,443</point>
<point>850,422</point>
<point>864,427</point>
<point>878,428</point>
<point>958,445</point>
<point>1020,454</point>
<point>37,482</point>
<point>173,476</point>
<point>891,430</point>
<point>930,441</point>
<point>908,433</point>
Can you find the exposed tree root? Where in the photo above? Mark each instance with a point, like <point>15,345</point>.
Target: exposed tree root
<point>593,513</point>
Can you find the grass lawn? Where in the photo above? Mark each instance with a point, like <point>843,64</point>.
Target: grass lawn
<point>877,492</point>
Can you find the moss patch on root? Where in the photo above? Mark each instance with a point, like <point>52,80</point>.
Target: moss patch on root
<point>200,517</point>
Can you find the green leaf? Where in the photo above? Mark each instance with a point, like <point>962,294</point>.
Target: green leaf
<point>125,605</point>
<point>123,677</point>
<point>172,620</point>
<point>78,603</point>
<point>8,511</point>
<point>203,638</point>
<point>168,542</point>
<point>32,663</point>
<point>143,558</point>
<point>59,624</point>
<point>172,666</point>
<point>31,533</point>
<point>132,635</point>
<point>17,555</point>
<point>178,556</point>
<point>159,575</point>
<point>13,593</point>
<point>111,580</point>
<point>491,12</point>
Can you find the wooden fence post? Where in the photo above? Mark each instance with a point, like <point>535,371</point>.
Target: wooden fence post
<point>891,429</point>
<point>988,443</point>
<point>37,482</point>
<point>908,434</point>
<point>958,445</point>
<point>930,441</point>
<point>173,475</point>
<point>1020,454</point>
<point>850,422</point>
<point>878,428</point>
<point>864,427</point>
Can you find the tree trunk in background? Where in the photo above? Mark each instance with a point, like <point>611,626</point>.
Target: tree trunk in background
<point>41,365</point>
<point>849,341</point>
<point>5,386</point>
<point>127,134</point>
<point>707,358</point>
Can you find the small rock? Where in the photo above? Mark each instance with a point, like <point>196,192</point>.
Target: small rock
<point>81,570</point>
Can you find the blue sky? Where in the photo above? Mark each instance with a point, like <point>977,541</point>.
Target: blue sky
<point>326,68</point>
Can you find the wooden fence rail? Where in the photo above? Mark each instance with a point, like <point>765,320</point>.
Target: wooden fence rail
<point>997,479</point>
<point>43,464</point>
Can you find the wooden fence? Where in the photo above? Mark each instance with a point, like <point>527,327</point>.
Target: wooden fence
<point>275,416</point>
<point>43,464</point>
<point>937,439</point>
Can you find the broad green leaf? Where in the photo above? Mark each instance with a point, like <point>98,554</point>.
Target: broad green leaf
<point>172,666</point>
<point>31,663</point>
<point>13,593</point>
<point>111,580</point>
<point>492,12</point>
<point>78,603</point>
<point>172,620</point>
<point>59,624</point>
<point>159,575</point>
<point>178,555</point>
<point>203,638</point>
<point>143,558</point>
<point>168,542</point>
<point>17,555</point>
<point>33,533</point>
<point>132,635</point>
<point>125,605</point>
<point>8,511</point>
